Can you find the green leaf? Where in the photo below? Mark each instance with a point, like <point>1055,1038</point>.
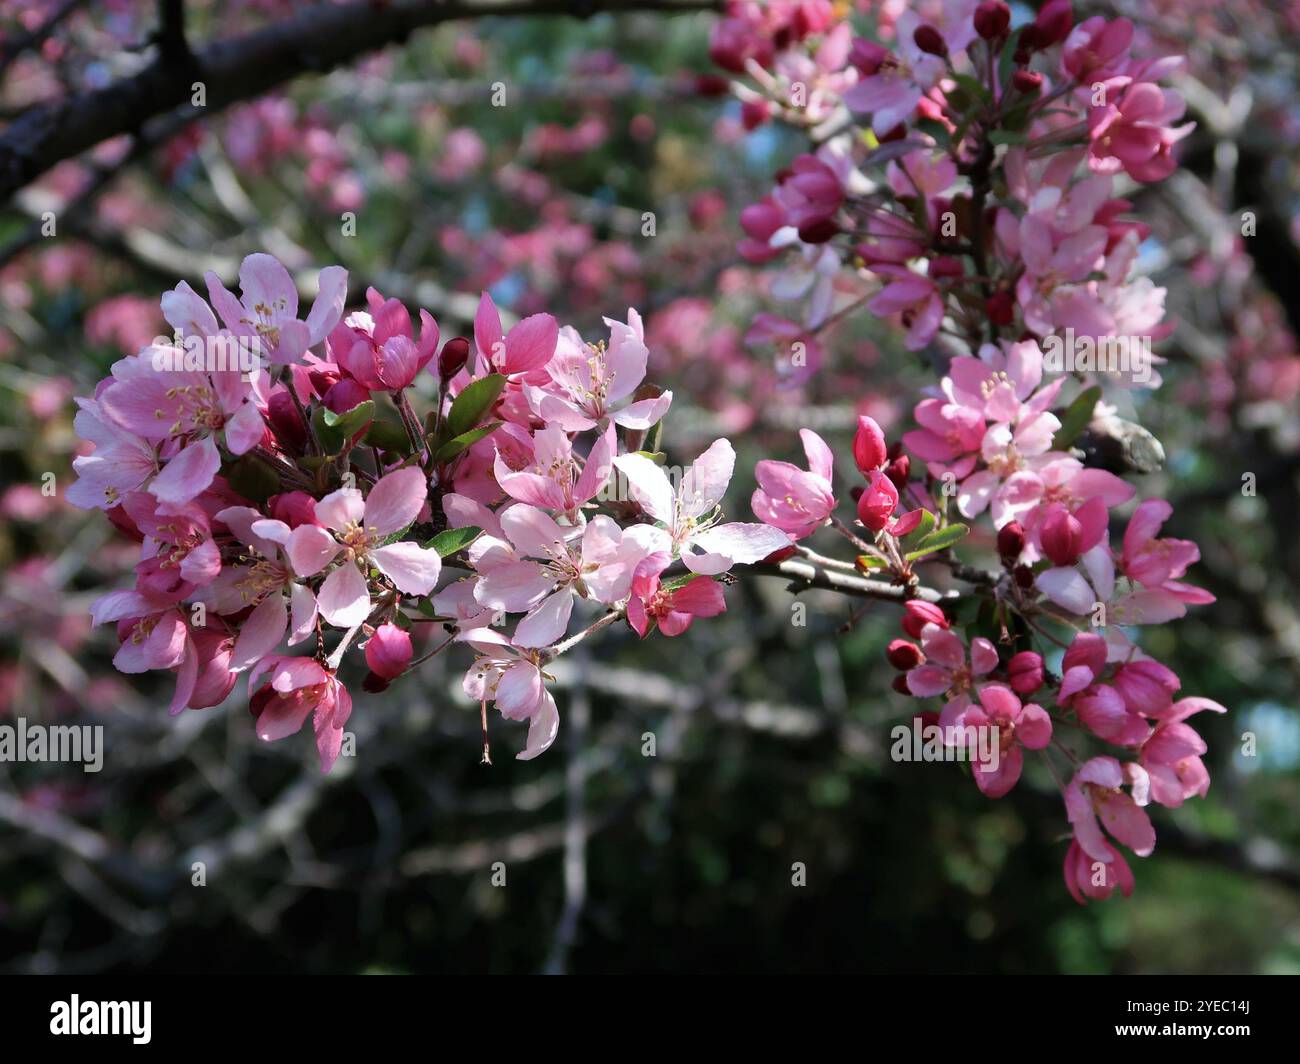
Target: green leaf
<point>388,436</point>
<point>941,539</point>
<point>928,521</point>
<point>1006,61</point>
<point>1076,418</point>
<point>474,401</point>
<point>452,540</point>
<point>331,439</point>
<point>252,478</point>
<point>1007,136</point>
<point>350,422</point>
<point>973,86</point>
<point>867,561</point>
<point>454,446</point>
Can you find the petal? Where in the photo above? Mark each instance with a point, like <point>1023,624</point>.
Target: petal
<point>260,633</point>
<point>648,485</point>
<point>547,622</point>
<point>341,508</point>
<point>310,549</point>
<point>189,474</point>
<point>344,600</point>
<point>412,568</point>
<point>395,501</point>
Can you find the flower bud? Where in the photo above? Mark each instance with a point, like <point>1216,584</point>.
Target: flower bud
<point>294,508</point>
<point>374,683</point>
<point>286,422</point>
<point>1053,23</point>
<point>867,56</point>
<point>1062,537</point>
<point>388,651</point>
<point>1001,308</point>
<point>900,684</point>
<point>1011,541</point>
<point>878,502</point>
<point>930,40</point>
<point>917,614</point>
<point>898,470</point>
<point>1027,81</point>
<point>992,20</point>
<point>869,450</point>
<point>1024,577</point>
<point>452,358</point>
<point>1025,672</point>
<point>753,113</point>
<point>819,231</point>
<point>904,655</point>
<point>946,266</point>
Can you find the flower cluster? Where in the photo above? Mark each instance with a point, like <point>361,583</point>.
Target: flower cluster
<point>278,501</point>
<point>963,185</point>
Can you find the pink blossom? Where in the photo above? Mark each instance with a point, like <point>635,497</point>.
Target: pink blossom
<point>690,515</point>
<point>1172,754</point>
<point>541,469</point>
<point>268,307</point>
<point>297,687</point>
<point>379,349</point>
<point>946,670</point>
<point>1018,726</point>
<point>361,527</point>
<point>543,566</point>
<point>511,679</point>
<point>796,501</point>
<point>528,346</point>
<point>673,609</point>
<point>263,584</point>
<point>587,380</point>
<point>1096,793</point>
<point>1159,563</point>
<point>916,298</point>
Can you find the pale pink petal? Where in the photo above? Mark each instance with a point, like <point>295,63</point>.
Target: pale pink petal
<point>412,568</point>
<point>395,501</point>
<point>344,600</point>
<point>189,474</point>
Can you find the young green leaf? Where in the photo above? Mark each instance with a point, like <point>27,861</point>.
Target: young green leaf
<point>451,540</point>
<point>468,408</point>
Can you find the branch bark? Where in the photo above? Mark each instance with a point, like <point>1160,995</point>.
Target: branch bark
<point>316,40</point>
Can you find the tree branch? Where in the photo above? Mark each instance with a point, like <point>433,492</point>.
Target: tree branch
<point>316,40</point>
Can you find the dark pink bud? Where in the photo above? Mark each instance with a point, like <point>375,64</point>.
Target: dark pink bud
<point>285,421</point>
<point>904,655</point>
<point>1062,537</point>
<point>992,20</point>
<point>1027,81</point>
<point>917,614</point>
<point>1025,672</point>
<point>930,40</point>
<point>819,231</point>
<point>946,266</point>
<point>1001,308</point>
<point>869,450</point>
<point>1053,23</point>
<point>1011,541</point>
<point>900,684</point>
<point>753,113</point>
<point>294,508</point>
<point>452,358</point>
<point>388,651</point>
<point>897,471</point>
<point>867,56</point>
<point>346,394</point>
<point>878,501</point>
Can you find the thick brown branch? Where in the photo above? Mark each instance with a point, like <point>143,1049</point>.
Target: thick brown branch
<point>318,39</point>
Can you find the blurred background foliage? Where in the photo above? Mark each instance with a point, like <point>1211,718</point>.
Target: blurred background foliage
<point>771,738</point>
